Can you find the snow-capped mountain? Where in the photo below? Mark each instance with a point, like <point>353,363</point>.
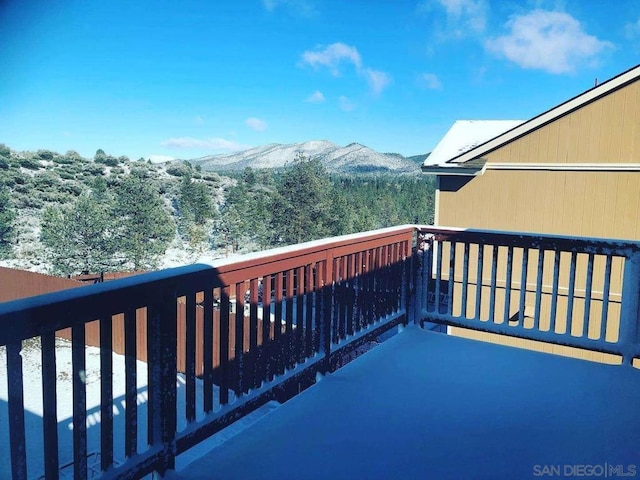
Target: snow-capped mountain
<point>354,158</point>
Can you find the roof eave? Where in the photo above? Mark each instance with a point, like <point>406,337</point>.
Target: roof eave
<point>453,170</point>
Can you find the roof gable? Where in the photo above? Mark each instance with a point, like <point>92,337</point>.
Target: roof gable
<point>549,116</point>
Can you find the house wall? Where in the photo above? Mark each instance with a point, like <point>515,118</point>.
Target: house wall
<point>578,175</point>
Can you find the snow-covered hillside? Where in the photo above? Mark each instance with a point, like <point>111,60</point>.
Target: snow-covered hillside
<point>354,158</point>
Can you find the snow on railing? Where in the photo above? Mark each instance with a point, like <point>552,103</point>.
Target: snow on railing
<point>243,332</point>
<point>571,291</point>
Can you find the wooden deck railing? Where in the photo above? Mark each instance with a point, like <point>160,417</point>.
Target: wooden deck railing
<point>303,307</point>
<point>577,292</point>
<point>260,327</point>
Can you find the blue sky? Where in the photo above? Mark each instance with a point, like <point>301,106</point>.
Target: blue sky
<point>193,78</point>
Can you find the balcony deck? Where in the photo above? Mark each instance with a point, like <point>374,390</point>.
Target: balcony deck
<point>428,405</point>
<point>423,404</point>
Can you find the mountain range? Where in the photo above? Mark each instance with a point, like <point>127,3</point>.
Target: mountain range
<point>353,158</point>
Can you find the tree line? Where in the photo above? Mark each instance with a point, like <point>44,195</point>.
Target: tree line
<point>127,222</point>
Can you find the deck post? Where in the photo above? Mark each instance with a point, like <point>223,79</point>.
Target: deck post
<point>630,309</point>
<point>162,338</point>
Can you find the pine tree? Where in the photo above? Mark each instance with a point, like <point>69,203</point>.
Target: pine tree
<point>145,227</point>
<point>79,239</point>
<point>301,206</point>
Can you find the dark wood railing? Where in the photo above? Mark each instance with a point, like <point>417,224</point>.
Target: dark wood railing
<point>571,291</point>
<point>245,331</point>
<point>304,307</point>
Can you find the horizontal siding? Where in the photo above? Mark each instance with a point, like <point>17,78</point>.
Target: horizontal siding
<point>591,204</point>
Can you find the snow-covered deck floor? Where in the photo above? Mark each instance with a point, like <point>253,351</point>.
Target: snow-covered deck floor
<point>426,405</point>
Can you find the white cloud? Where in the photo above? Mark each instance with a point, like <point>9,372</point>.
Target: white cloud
<point>632,29</point>
<point>315,97</point>
<point>215,143</point>
<point>430,81</point>
<point>302,7</point>
<point>377,80</point>
<point>464,17</point>
<point>332,56</point>
<point>346,104</point>
<point>256,124</point>
<point>470,13</point>
<point>547,40</point>
<point>160,158</point>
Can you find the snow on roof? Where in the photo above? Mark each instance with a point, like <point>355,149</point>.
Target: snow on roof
<point>465,135</point>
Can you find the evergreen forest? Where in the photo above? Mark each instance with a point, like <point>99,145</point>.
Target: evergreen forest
<point>105,213</point>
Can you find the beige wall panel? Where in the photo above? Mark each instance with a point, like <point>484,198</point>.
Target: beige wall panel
<point>617,121</point>
<point>634,117</point>
<point>597,204</point>
<point>626,129</point>
<point>568,140</point>
<point>549,149</point>
<point>606,127</point>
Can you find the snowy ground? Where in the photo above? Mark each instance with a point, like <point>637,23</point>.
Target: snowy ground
<point>33,410</point>
<point>426,405</point>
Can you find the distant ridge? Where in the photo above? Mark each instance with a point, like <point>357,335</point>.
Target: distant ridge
<point>353,158</point>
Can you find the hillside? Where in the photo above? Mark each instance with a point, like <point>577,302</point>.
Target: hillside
<point>37,180</point>
<point>239,213</point>
<point>352,159</point>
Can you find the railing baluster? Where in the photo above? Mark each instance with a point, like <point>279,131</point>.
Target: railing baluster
<point>350,297</point>
<point>452,273</point>
<point>288,340</point>
<point>479,281</point>
<point>605,298</point>
<point>239,384</point>
<point>309,290</point>
<point>131,383</point>
<point>190,358</point>
<point>554,291</point>
<point>266,364</point>
<point>494,273</point>
<point>15,392</point>
<point>427,272</point>
<point>465,280</point>
<point>523,286</point>
<point>358,286</point>
<point>79,401</point>
<point>338,300</point>
<point>277,326</point>
<point>224,345</point>
<point>298,352</point>
<point>540,274</point>
<point>507,286</point>
<point>49,404</point>
<point>252,354</point>
<point>587,296</point>
<point>370,307</point>
<point>207,350</point>
<point>572,288</point>
<point>439,246</point>
<point>318,321</point>
<point>106,392</point>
